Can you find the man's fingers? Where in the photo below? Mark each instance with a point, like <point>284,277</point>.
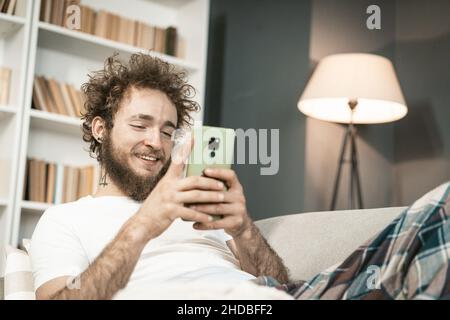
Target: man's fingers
<point>226,175</point>
<point>215,209</point>
<point>188,214</point>
<point>179,156</point>
<point>201,196</point>
<point>197,182</point>
<point>224,223</point>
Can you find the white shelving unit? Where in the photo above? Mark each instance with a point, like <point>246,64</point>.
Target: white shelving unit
<point>10,24</point>
<point>68,56</point>
<point>14,49</point>
<point>6,111</point>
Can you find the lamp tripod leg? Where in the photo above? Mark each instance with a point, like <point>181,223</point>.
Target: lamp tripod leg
<point>355,171</point>
<point>352,166</point>
<point>338,175</point>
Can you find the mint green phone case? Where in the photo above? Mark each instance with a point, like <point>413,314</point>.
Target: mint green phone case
<point>210,153</point>
<point>213,148</point>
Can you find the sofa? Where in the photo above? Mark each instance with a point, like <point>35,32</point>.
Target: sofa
<point>311,242</point>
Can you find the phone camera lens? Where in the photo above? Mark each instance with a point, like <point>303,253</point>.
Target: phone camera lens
<point>213,154</point>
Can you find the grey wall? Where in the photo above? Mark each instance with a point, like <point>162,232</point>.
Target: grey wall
<point>258,62</point>
<point>422,56</point>
<point>261,54</point>
<point>340,27</point>
<point>401,161</point>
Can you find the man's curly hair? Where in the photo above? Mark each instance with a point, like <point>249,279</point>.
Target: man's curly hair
<point>107,88</point>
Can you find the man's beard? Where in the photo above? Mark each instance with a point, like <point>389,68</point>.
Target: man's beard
<point>135,186</point>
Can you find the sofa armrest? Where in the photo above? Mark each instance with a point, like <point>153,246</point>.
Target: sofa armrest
<point>309,243</point>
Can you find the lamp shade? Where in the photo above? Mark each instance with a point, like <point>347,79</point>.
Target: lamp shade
<point>366,78</point>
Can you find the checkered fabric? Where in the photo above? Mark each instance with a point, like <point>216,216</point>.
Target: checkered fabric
<point>409,259</point>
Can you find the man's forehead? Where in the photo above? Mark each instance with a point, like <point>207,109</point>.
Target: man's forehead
<point>148,104</point>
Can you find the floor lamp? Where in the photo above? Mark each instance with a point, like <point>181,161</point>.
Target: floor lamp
<point>353,88</point>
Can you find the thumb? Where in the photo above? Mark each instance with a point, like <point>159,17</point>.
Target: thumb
<point>180,154</point>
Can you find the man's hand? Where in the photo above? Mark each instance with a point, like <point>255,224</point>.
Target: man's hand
<point>233,208</point>
<point>254,253</point>
<point>167,200</point>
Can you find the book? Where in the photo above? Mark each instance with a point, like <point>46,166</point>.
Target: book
<point>56,11</point>
<point>5,79</point>
<point>4,6</point>
<point>51,181</point>
<point>11,7</point>
<point>48,11</point>
<point>39,101</point>
<point>57,97</point>
<point>114,27</point>
<point>75,183</point>
<point>171,41</point>
<point>147,40</point>
<point>42,10</point>
<point>41,180</point>
<point>31,183</point>
<point>59,183</point>
<point>160,40</point>
<point>69,107</point>
<point>26,184</point>
<point>2,3</point>
<point>48,98</point>
<point>100,25</point>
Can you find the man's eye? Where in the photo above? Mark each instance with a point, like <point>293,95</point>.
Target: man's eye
<point>167,134</point>
<point>137,126</point>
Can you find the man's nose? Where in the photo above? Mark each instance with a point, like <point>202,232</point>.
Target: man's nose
<point>153,139</point>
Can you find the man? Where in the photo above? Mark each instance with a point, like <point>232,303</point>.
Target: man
<point>146,225</point>
<point>134,232</point>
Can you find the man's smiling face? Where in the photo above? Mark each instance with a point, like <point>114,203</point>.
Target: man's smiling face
<point>136,152</point>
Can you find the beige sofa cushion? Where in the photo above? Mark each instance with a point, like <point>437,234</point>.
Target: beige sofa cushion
<point>312,242</point>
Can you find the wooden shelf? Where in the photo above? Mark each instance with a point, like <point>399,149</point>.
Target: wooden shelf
<point>10,24</point>
<point>55,122</point>
<point>48,31</point>
<point>34,207</point>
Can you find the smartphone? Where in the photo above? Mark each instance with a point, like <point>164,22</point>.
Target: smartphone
<point>213,148</point>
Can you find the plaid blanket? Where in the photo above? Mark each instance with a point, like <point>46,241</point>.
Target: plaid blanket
<point>409,259</point>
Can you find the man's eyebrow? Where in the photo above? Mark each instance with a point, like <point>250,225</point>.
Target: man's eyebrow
<point>148,117</point>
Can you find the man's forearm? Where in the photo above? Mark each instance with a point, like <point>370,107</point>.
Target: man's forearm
<point>111,270</point>
<point>257,257</point>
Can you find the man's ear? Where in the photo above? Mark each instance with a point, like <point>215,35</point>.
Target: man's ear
<point>98,128</point>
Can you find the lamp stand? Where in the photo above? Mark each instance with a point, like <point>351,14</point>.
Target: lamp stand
<point>350,135</point>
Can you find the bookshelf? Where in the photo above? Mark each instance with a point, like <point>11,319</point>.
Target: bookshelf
<point>14,49</point>
<point>98,45</point>
<point>67,56</point>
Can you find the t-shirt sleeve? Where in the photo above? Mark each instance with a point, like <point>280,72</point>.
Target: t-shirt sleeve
<point>55,249</point>
<point>222,235</point>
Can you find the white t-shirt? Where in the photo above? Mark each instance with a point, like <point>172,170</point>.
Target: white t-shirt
<point>70,236</point>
